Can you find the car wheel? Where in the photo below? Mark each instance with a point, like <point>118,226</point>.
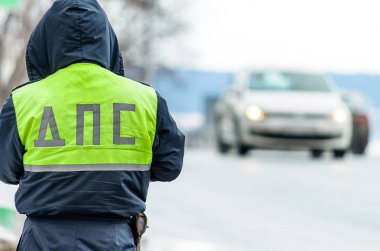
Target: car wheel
<point>242,150</point>
<point>316,153</point>
<point>220,130</point>
<point>221,146</point>
<point>359,147</point>
<point>339,154</point>
<point>359,151</point>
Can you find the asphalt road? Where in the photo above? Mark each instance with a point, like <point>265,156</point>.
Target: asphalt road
<point>280,201</point>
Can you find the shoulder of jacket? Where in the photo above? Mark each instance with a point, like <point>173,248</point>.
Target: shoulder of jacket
<point>140,84</point>
<point>23,85</point>
<point>144,84</point>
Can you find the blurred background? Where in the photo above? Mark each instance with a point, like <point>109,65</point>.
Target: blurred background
<point>279,100</point>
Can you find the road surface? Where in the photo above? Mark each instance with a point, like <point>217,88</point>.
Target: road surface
<point>267,201</point>
<point>280,201</point>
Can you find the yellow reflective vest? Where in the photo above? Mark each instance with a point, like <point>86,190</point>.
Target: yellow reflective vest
<point>108,124</point>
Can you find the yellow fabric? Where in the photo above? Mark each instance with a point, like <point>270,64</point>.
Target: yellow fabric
<point>85,83</point>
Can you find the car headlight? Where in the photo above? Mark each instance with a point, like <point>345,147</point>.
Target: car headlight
<point>339,115</point>
<point>254,113</point>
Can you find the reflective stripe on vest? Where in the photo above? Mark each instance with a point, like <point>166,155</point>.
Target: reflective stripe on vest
<point>87,167</point>
<point>86,118</point>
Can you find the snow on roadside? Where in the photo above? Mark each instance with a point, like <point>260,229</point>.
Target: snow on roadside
<point>162,244</point>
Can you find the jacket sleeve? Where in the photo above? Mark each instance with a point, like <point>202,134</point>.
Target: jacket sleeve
<point>11,148</point>
<point>168,147</point>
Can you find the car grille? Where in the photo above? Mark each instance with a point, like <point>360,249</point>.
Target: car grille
<point>296,136</point>
<point>309,116</point>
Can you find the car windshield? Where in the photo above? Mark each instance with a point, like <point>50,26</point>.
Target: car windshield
<point>283,81</point>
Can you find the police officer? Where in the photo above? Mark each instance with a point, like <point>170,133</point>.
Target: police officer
<point>81,140</point>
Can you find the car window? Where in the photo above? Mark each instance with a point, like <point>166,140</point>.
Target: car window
<point>283,81</point>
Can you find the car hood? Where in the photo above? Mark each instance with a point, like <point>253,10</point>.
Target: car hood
<point>294,102</point>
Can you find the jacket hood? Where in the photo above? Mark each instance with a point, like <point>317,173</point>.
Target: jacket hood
<point>72,31</point>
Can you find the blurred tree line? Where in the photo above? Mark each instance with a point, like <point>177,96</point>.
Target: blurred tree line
<point>139,24</point>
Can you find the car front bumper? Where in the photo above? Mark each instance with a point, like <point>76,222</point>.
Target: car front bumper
<point>295,134</point>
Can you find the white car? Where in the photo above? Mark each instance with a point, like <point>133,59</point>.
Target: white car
<point>283,110</point>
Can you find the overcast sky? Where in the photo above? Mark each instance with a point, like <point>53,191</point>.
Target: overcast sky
<point>323,35</point>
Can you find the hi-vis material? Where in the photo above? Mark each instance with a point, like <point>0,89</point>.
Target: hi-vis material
<point>67,122</point>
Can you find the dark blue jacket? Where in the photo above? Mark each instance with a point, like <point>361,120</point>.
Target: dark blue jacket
<point>70,32</point>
